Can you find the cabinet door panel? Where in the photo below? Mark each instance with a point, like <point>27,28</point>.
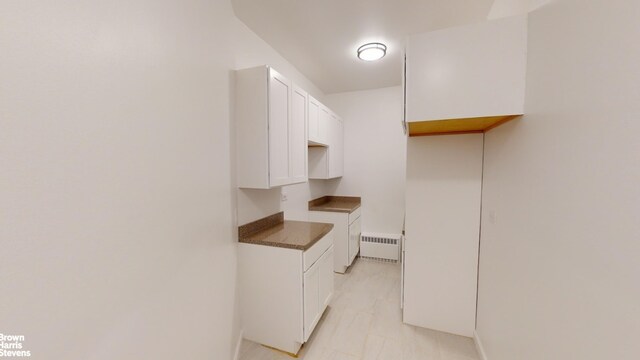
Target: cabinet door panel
<point>491,52</point>
<point>339,170</point>
<point>298,136</point>
<point>354,239</point>
<point>336,145</point>
<point>311,299</point>
<point>314,120</point>
<point>326,279</point>
<point>324,126</point>
<point>279,102</point>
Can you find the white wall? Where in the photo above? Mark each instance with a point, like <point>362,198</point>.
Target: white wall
<point>504,8</point>
<point>250,50</point>
<point>559,259</point>
<point>118,211</point>
<point>375,161</point>
<point>116,229</point>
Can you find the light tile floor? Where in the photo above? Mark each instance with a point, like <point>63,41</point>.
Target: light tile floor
<point>364,322</point>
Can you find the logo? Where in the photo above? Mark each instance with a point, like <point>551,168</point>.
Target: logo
<point>12,346</point>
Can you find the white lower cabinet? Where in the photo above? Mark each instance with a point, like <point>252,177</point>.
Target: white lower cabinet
<point>318,289</point>
<point>325,291</point>
<point>354,239</point>
<point>284,292</point>
<point>347,231</point>
<point>311,299</point>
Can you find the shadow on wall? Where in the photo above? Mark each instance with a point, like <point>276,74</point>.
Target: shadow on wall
<point>332,187</point>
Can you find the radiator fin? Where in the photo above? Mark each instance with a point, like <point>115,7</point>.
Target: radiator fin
<point>378,259</point>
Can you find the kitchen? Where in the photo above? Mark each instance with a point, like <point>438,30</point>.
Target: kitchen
<point>232,177</point>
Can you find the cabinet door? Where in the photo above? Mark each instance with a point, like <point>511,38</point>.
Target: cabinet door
<point>354,239</point>
<point>311,299</point>
<point>324,124</point>
<point>326,279</point>
<point>298,136</point>
<point>491,52</point>
<point>441,245</point>
<point>340,148</point>
<point>279,104</point>
<point>314,120</point>
<point>336,147</point>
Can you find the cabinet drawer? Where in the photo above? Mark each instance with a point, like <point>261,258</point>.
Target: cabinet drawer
<point>354,215</point>
<point>315,252</point>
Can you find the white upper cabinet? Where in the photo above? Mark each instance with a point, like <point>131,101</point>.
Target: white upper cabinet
<point>271,129</point>
<point>327,162</point>
<point>323,125</point>
<point>469,72</point>
<point>298,135</point>
<point>336,147</point>
<point>318,121</point>
<point>314,119</point>
<point>278,119</point>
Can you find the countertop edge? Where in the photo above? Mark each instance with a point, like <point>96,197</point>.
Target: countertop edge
<point>344,211</point>
<point>327,230</point>
<point>320,204</point>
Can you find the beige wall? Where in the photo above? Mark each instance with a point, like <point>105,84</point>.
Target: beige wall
<point>559,258</point>
<point>375,156</point>
<point>118,210</point>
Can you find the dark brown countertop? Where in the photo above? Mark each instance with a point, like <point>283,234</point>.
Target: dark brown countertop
<point>275,231</point>
<point>343,204</point>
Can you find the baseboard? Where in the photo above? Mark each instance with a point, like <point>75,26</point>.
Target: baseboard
<point>479,348</point>
<point>238,344</point>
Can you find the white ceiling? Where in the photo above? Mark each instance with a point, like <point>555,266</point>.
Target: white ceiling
<point>320,37</point>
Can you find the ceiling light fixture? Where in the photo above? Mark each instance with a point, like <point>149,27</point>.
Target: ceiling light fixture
<point>372,51</point>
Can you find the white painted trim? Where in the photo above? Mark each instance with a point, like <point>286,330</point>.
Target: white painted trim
<point>238,344</point>
<point>479,348</point>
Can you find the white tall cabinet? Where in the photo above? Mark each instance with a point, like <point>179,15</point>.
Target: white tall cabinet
<point>271,129</point>
<point>443,193</point>
<point>462,80</point>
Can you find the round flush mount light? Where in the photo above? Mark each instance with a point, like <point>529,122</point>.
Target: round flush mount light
<point>372,51</point>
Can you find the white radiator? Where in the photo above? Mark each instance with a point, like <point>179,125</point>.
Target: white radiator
<point>383,247</point>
